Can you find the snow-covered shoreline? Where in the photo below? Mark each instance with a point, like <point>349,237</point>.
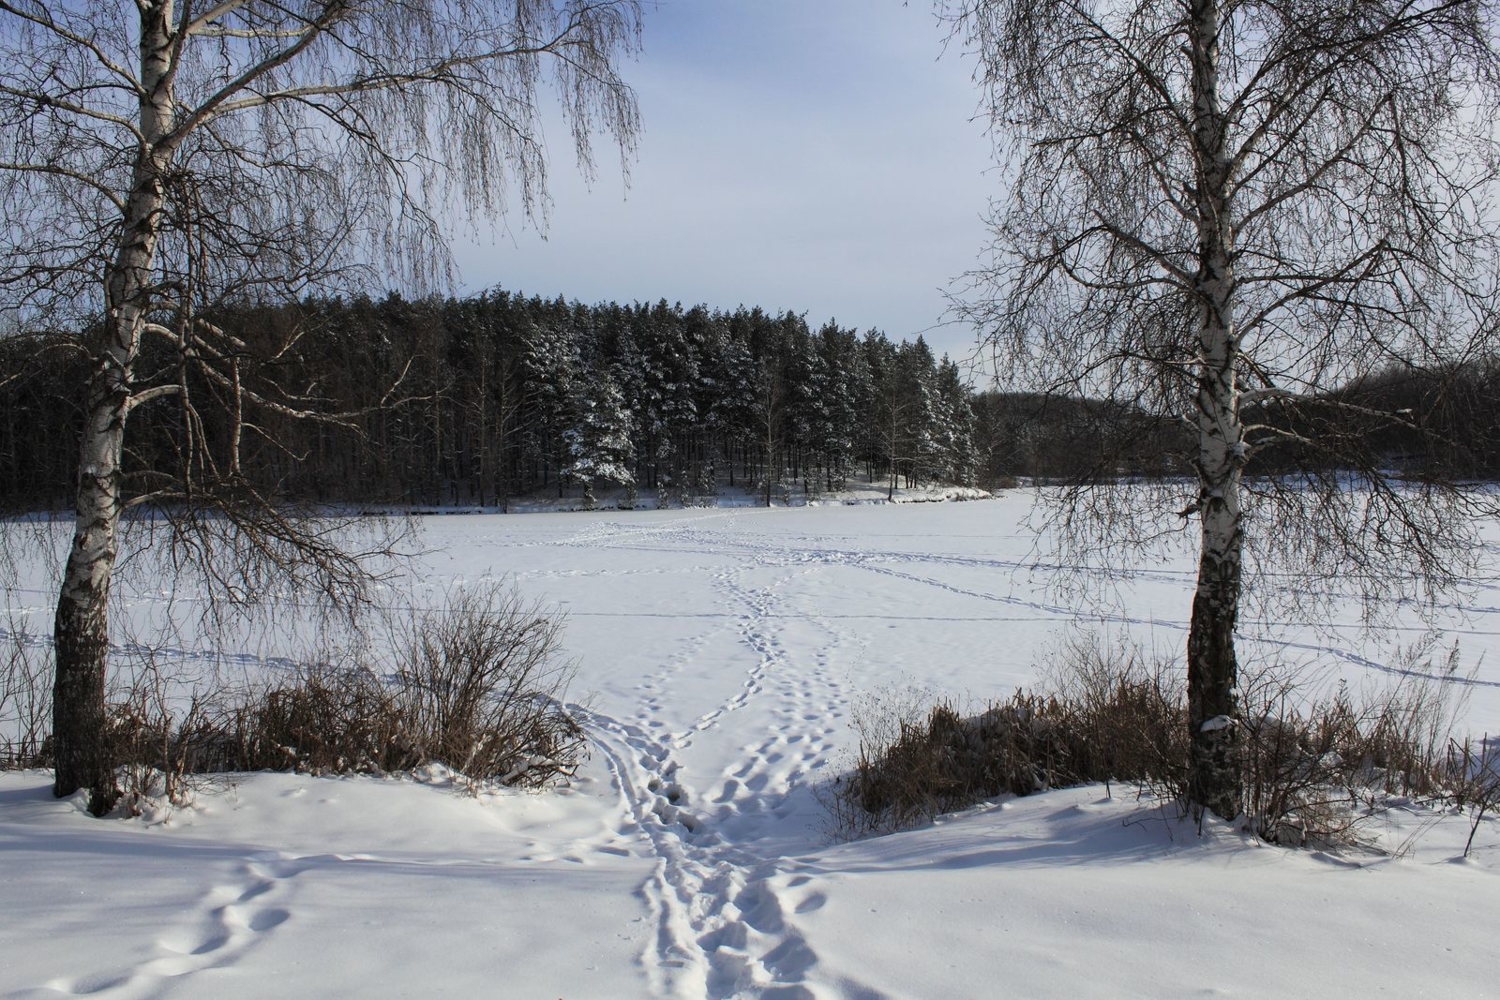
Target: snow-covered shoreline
<point>725,497</point>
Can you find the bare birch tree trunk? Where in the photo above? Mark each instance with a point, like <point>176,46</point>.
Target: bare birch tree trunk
<point>81,627</point>
<point>1213,710</point>
<point>196,157</point>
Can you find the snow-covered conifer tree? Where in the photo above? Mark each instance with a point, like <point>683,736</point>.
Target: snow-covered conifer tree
<point>597,444</point>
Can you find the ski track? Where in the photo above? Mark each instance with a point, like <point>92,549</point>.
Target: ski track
<point>882,561</point>
<point>1063,613</point>
<point>819,549</point>
<point>720,902</point>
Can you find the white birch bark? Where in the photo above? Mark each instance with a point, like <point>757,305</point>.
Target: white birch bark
<point>1290,195</point>
<point>81,627</point>
<point>1214,777</point>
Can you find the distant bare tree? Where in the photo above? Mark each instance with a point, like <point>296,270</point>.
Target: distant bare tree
<point>162,156</point>
<point>1223,211</point>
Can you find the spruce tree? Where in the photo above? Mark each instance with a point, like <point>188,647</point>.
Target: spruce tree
<point>597,443</point>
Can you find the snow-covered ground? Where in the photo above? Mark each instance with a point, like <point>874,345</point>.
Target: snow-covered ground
<point>721,654</point>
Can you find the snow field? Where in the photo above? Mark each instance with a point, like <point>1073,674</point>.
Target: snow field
<point>721,654</point>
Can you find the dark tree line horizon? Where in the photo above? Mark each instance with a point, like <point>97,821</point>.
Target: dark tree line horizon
<point>476,400</point>
<point>501,395</point>
<point>1417,422</point>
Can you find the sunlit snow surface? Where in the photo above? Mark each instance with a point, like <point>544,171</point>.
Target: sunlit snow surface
<point>720,655</point>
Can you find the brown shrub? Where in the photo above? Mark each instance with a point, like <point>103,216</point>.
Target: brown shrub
<point>478,687</point>
<point>1314,768</point>
<point>25,700</point>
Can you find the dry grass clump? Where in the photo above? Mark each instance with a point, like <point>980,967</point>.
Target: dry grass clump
<point>1476,766</point>
<point>1317,767</point>
<point>1314,768</point>
<point>25,700</point>
<point>1101,720</point>
<point>323,720</point>
<point>477,686</point>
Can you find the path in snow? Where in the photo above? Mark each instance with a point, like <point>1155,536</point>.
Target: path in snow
<point>718,900</point>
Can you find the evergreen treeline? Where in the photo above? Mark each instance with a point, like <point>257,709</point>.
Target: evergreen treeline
<point>1438,421</point>
<point>502,395</point>
<point>474,401</point>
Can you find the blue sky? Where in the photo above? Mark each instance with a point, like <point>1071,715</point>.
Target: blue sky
<point>811,155</point>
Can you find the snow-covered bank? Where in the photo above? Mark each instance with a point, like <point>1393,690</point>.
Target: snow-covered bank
<point>721,654</point>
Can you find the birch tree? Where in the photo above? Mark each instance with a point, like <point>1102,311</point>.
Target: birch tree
<point>1222,211</point>
<point>162,156</point>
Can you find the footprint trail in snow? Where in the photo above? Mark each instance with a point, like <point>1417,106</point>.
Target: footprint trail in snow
<point>726,881</point>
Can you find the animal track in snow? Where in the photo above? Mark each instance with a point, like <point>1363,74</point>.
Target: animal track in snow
<point>231,919</point>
